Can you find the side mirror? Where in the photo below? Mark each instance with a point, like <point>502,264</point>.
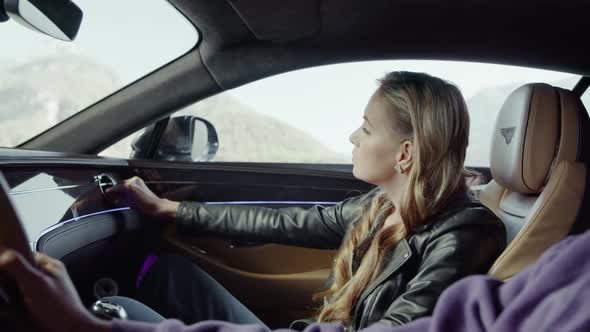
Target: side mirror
<point>57,18</point>
<point>186,138</point>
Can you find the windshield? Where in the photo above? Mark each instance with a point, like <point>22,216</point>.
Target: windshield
<point>45,80</point>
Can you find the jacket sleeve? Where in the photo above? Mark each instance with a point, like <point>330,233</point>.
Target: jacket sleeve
<point>316,227</point>
<point>467,243</point>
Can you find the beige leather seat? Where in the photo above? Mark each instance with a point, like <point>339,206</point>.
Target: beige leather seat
<point>538,184</point>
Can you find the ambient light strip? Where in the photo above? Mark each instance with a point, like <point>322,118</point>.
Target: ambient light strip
<point>145,267</point>
<point>68,221</point>
<point>78,218</point>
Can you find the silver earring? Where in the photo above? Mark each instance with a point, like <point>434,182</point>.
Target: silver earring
<point>398,168</point>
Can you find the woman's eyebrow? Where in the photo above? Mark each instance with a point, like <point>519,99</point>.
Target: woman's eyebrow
<point>367,119</point>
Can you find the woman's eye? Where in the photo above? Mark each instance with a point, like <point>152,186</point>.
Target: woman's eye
<point>365,130</point>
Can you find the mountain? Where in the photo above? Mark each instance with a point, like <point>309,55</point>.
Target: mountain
<point>40,92</point>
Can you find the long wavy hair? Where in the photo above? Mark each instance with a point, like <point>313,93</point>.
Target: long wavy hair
<point>432,113</point>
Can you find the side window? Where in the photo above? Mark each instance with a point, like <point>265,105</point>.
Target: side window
<point>307,116</point>
<point>289,118</point>
<point>249,134</point>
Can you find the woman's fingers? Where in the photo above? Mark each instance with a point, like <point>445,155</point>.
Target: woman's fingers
<point>115,192</point>
<point>136,194</point>
<point>123,188</point>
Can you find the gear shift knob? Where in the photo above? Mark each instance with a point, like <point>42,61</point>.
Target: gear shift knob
<point>107,310</point>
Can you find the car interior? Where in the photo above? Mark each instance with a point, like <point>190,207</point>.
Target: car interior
<point>537,182</point>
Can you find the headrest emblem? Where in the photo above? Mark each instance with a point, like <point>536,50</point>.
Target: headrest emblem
<point>508,133</point>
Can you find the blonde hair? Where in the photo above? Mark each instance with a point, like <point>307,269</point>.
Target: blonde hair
<point>432,114</point>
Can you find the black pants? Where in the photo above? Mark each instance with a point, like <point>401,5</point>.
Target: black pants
<point>176,288</point>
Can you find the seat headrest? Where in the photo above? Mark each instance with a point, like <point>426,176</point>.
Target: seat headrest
<point>538,126</point>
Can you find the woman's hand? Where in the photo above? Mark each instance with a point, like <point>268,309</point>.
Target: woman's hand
<point>136,194</point>
<point>49,294</point>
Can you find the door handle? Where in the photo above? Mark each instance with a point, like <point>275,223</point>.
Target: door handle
<point>104,181</point>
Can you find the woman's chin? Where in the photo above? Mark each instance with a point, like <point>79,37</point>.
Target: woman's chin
<point>356,174</point>
<point>367,179</point>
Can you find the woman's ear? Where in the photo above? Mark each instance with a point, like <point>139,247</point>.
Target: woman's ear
<point>406,156</point>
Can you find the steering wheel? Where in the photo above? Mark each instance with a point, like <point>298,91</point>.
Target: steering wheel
<point>13,313</point>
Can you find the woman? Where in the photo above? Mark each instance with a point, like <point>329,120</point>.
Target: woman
<point>400,245</point>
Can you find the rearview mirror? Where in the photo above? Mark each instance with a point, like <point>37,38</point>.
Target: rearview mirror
<point>57,18</point>
<point>185,138</point>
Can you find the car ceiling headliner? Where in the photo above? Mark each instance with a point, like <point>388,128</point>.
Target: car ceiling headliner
<point>248,39</point>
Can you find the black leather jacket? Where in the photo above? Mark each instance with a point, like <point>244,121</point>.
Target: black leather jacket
<point>463,239</point>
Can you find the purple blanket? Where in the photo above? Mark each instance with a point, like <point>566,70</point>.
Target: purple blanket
<point>552,295</point>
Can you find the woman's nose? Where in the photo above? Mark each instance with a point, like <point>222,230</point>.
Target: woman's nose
<point>352,138</point>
